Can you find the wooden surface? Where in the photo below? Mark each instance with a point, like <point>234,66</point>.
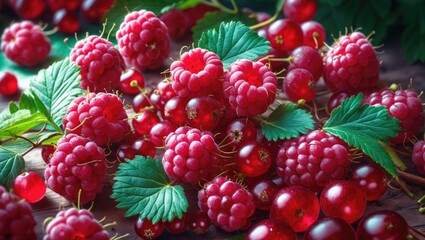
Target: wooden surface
<point>394,69</point>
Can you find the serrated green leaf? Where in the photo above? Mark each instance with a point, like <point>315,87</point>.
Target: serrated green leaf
<point>212,20</point>
<point>17,123</point>
<point>17,145</point>
<point>286,122</point>
<point>234,41</point>
<point>11,165</point>
<point>143,188</point>
<point>13,107</point>
<point>26,101</point>
<point>54,89</point>
<point>364,127</point>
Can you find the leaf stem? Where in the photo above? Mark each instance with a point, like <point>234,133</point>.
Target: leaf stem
<point>34,145</point>
<point>267,22</point>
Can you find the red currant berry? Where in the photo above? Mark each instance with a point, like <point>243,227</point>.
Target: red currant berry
<point>125,151</point>
<point>270,229</point>
<point>66,21</point>
<point>383,224</point>
<point>28,9</point>
<point>55,5</point>
<point>131,81</point>
<point>297,206</point>
<point>199,222</point>
<point>141,102</point>
<point>144,148</point>
<point>372,179</point>
<point>29,186</point>
<point>238,132</point>
<point>253,159</point>
<point>300,10</point>
<point>285,35</point>
<point>144,121</point>
<point>8,83</point>
<point>175,110</point>
<point>330,228</point>
<point>314,34</point>
<point>93,10</point>
<point>160,131</point>
<point>299,85</point>
<point>146,230</point>
<point>307,58</point>
<point>203,113</point>
<point>47,152</point>
<point>178,225</point>
<point>343,199</point>
<point>263,194</point>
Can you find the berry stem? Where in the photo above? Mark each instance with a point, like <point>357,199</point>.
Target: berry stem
<point>416,233</point>
<point>217,4</point>
<point>267,22</point>
<point>412,178</point>
<point>404,187</point>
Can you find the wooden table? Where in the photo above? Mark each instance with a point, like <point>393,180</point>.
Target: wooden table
<point>394,69</point>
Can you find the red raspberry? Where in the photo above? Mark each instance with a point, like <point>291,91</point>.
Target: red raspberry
<point>228,204</point>
<point>250,87</point>
<point>77,164</point>
<point>75,224</point>
<point>189,154</point>
<point>101,64</point>
<point>16,219</point>
<point>313,160</point>
<point>25,44</point>
<point>143,40</point>
<point>418,156</point>
<point>177,23</point>
<point>100,117</point>
<point>351,64</point>
<point>403,105</point>
<point>199,72</point>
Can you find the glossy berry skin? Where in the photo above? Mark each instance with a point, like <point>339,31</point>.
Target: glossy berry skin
<point>299,85</point>
<point>253,159</point>
<point>144,147</point>
<point>47,152</point>
<point>238,132</point>
<point>126,79</point>
<point>55,5</point>
<point>66,21</point>
<point>284,35</point>
<point>297,206</point>
<point>270,229</point>
<point>160,131</point>
<point>343,199</point>
<point>143,122</point>
<point>199,222</point>
<point>418,156</point>
<point>8,83</point>
<point>147,230</point>
<point>175,110</point>
<point>203,113</point>
<point>28,9</point>
<point>177,225</point>
<point>307,58</point>
<point>372,179</point>
<point>29,186</point>
<point>314,34</point>
<point>330,228</point>
<point>93,10</point>
<point>300,10</point>
<point>263,193</point>
<point>140,102</point>
<point>124,152</point>
<point>383,224</point>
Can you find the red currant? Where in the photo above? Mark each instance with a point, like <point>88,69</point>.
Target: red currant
<point>307,58</point>
<point>199,222</point>
<point>178,225</point>
<point>238,132</point>
<point>130,82</point>
<point>28,9</point>
<point>284,35</point>
<point>330,228</point>
<point>125,151</point>
<point>146,230</point>
<point>297,206</point>
<point>160,131</point>
<point>93,10</point>
<point>253,159</point>
<point>29,186</point>
<point>47,152</point>
<point>144,121</point>
<point>55,5</point>
<point>271,229</point>
<point>343,199</point>
<point>66,21</point>
<point>8,83</point>
<point>203,113</point>
<point>299,85</point>
<point>263,193</point>
<point>300,10</point>
<point>175,110</point>
<point>372,179</point>
<point>383,224</point>
<point>141,102</point>
<point>314,34</point>
<point>144,147</point>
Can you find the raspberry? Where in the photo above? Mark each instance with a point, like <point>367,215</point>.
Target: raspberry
<point>77,164</point>
<point>403,105</point>
<point>100,117</point>
<point>75,224</point>
<point>313,160</point>
<point>143,40</point>
<point>25,44</point>
<point>418,156</point>
<point>250,87</point>
<point>228,204</point>
<point>16,219</point>
<point>199,72</point>
<point>101,64</point>
<point>351,64</point>
<point>189,154</point>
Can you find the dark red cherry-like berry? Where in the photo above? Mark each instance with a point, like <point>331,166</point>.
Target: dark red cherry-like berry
<point>29,186</point>
<point>66,21</point>
<point>238,132</point>
<point>307,58</point>
<point>175,110</point>
<point>263,194</point>
<point>253,159</point>
<point>178,225</point>
<point>47,152</point>
<point>160,131</point>
<point>203,113</point>
<point>141,102</point>
<point>299,85</point>
<point>93,10</point>
<point>125,151</point>
<point>285,35</point>
<point>330,228</point>
<point>372,179</point>
<point>146,230</point>
<point>270,229</point>
<point>8,83</point>
<point>131,81</point>
<point>383,224</point>
<point>199,222</point>
<point>144,121</point>
<point>144,147</point>
<point>314,34</point>
<point>28,9</point>
<point>300,10</point>
<point>55,5</point>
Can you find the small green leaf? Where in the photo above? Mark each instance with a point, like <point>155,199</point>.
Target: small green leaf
<point>17,123</point>
<point>54,89</point>
<point>212,20</point>
<point>286,122</point>
<point>11,165</point>
<point>234,41</point>
<point>26,101</point>
<point>365,127</point>
<point>142,187</point>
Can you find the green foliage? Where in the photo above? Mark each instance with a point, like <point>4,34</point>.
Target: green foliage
<point>364,127</point>
<point>11,165</point>
<point>143,188</point>
<point>233,41</point>
<point>17,123</point>
<point>286,122</point>
<point>54,89</point>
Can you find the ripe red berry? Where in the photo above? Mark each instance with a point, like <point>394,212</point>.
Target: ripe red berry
<point>285,35</point>
<point>199,222</point>
<point>300,10</point>
<point>144,121</point>
<point>253,159</point>
<point>372,179</point>
<point>55,5</point>
<point>66,21</point>
<point>28,9</point>
<point>131,81</point>
<point>144,147</point>
<point>177,23</point>
<point>383,224</point>
<point>418,156</point>
<point>203,112</point>
<point>271,229</point>
<point>238,132</point>
<point>125,151</point>
<point>93,10</point>
<point>47,152</point>
<point>177,225</point>
<point>8,83</point>
<point>307,58</point>
<point>147,230</point>
<point>175,110</point>
<point>29,186</point>
<point>314,34</point>
<point>263,193</point>
<point>160,131</point>
<point>299,84</point>
<point>330,228</point>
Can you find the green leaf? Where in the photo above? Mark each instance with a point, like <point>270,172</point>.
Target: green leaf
<point>54,89</point>
<point>234,41</point>
<point>142,187</point>
<point>286,122</point>
<point>331,2</point>
<point>413,44</point>
<point>212,20</point>
<point>11,165</point>
<point>365,127</point>
<point>26,101</point>
<point>17,123</point>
